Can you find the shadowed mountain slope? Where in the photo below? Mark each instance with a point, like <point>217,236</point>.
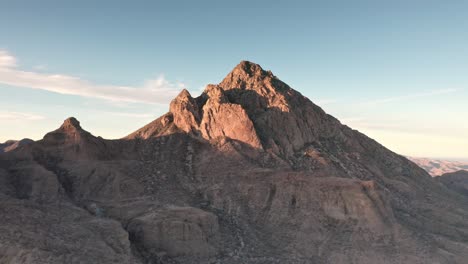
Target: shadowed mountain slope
<point>457,181</point>
<point>10,145</point>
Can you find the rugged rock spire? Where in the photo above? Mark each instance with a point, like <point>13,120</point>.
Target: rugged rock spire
<point>69,131</point>
<point>74,142</point>
<point>223,119</point>
<point>77,142</point>
<point>185,110</point>
<point>213,117</point>
<point>71,123</point>
<point>252,106</point>
<point>246,75</point>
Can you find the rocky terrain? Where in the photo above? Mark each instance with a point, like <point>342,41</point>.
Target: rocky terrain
<point>457,181</point>
<point>250,171</point>
<point>437,167</point>
<point>10,145</point>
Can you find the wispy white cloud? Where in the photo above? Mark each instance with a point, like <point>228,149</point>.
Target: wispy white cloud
<point>19,116</point>
<point>409,96</point>
<point>132,115</point>
<point>152,92</point>
<point>364,124</point>
<point>7,60</point>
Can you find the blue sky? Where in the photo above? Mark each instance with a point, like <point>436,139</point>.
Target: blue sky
<point>395,70</point>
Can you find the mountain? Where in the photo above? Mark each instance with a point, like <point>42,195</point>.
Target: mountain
<point>457,181</point>
<point>437,167</point>
<point>10,145</point>
<point>250,171</point>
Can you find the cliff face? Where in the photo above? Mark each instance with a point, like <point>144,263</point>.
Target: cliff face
<point>250,171</point>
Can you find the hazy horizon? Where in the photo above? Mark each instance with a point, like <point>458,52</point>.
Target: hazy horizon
<point>394,71</point>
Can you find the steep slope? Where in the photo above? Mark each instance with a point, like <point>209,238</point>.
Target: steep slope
<point>41,220</point>
<point>250,171</point>
<point>457,181</point>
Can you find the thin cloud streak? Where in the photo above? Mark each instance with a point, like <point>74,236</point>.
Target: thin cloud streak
<point>400,126</point>
<point>363,123</point>
<point>157,91</point>
<point>410,96</point>
<point>19,116</point>
<point>132,115</point>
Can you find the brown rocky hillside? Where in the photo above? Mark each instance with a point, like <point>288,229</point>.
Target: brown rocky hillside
<point>251,171</point>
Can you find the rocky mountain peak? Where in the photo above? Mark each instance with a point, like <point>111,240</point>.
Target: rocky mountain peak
<point>10,145</point>
<point>248,172</point>
<point>69,132</point>
<point>71,123</point>
<point>75,142</point>
<point>247,68</point>
<point>246,75</point>
<point>185,112</point>
<point>252,106</point>
<point>184,95</point>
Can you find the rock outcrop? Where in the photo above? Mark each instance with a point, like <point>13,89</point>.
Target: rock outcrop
<point>251,106</point>
<point>250,171</point>
<point>210,116</point>
<point>176,231</point>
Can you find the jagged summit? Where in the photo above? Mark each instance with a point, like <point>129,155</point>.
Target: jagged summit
<point>250,69</point>
<point>250,105</point>
<point>184,94</point>
<point>71,123</point>
<point>247,75</point>
<point>69,132</point>
<point>75,142</point>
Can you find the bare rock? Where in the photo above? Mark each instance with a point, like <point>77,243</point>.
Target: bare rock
<point>59,233</point>
<point>185,111</point>
<point>159,127</point>
<point>33,182</point>
<point>224,119</point>
<point>176,232</point>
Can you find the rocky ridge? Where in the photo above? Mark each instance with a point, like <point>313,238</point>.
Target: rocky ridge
<point>457,181</point>
<point>10,145</point>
